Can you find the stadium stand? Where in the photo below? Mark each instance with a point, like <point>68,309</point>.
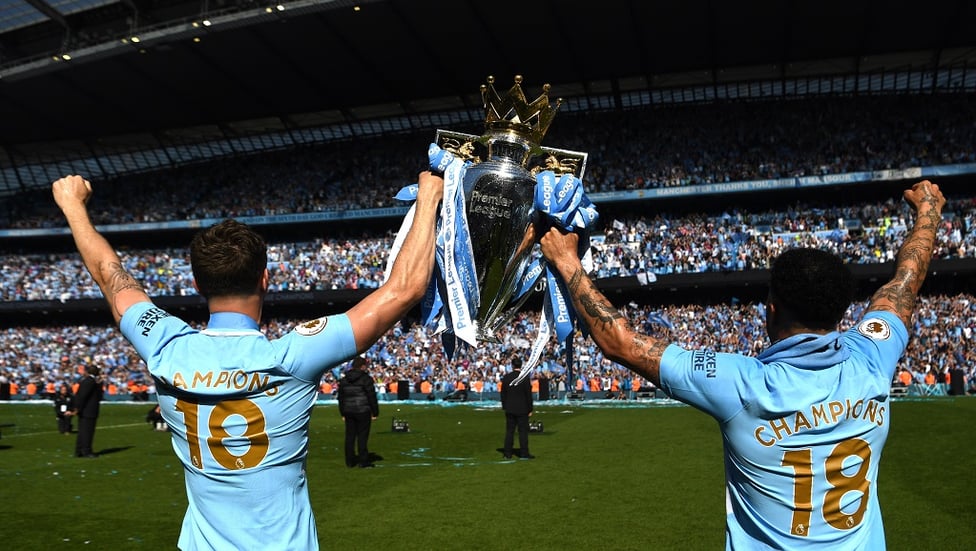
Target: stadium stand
<point>698,187</point>
<point>667,243</point>
<point>944,329</point>
<point>651,148</point>
<point>690,238</point>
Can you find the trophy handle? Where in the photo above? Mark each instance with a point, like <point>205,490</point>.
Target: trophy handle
<point>559,161</point>
<point>466,147</point>
<point>470,147</point>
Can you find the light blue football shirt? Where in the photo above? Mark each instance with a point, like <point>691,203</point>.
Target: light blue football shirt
<point>803,426</point>
<point>238,406</point>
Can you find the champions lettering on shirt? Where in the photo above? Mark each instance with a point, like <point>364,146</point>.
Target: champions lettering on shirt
<point>822,414</point>
<point>237,380</point>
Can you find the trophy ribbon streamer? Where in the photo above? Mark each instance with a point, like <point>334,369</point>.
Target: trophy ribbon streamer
<point>562,201</point>
<point>431,305</point>
<point>454,283</point>
<point>565,204</point>
<point>458,267</point>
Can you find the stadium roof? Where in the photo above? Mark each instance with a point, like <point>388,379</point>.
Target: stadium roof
<point>89,69</point>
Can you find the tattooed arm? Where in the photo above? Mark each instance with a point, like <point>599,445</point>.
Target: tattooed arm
<point>608,328</point>
<point>912,264</point>
<point>121,290</point>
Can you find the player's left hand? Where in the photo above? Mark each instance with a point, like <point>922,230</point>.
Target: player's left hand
<point>923,194</point>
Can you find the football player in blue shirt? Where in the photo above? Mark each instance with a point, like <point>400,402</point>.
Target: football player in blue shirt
<point>237,403</point>
<point>803,424</point>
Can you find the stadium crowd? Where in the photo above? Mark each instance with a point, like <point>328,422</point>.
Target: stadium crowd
<point>38,359</point>
<point>663,146</point>
<point>659,244</point>
<point>658,147</point>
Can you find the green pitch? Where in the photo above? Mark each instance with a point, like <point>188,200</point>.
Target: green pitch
<point>605,478</point>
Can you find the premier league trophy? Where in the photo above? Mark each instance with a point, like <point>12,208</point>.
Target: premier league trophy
<point>500,199</point>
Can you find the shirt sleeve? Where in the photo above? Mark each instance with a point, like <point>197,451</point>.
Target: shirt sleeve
<point>881,337</point>
<point>317,345</point>
<point>149,328</point>
<point>707,380</point>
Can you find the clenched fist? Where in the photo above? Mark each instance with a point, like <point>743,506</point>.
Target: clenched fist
<point>71,191</point>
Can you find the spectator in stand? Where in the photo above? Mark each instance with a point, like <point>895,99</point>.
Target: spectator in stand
<point>904,378</point>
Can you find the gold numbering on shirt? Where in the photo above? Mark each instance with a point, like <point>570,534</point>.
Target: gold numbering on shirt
<point>840,484</point>
<point>254,433</point>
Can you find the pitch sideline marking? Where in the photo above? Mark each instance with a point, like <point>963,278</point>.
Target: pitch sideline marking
<point>5,436</point>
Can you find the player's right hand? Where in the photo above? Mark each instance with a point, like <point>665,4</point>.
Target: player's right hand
<point>71,190</point>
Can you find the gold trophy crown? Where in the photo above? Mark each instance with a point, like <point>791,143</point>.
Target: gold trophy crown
<point>512,111</point>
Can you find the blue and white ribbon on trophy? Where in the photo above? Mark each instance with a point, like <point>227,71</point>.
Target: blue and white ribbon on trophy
<point>565,204</point>
<point>455,285</point>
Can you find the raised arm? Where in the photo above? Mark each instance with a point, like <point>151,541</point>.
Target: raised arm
<point>120,289</point>
<point>608,327</point>
<point>411,272</point>
<point>912,263</point>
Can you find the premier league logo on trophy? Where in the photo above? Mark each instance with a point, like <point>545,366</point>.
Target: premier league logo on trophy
<point>499,186</point>
<point>498,189</point>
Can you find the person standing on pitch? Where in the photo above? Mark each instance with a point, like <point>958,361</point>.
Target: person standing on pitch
<point>63,408</point>
<point>358,407</point>
<point>237,403</point>
<point>87,402</point>
<point>803,424</point>
<point>517,404</point>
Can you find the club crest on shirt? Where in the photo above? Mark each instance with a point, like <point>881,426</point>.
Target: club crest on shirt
<point>311,327</point>
<point>874,328</point>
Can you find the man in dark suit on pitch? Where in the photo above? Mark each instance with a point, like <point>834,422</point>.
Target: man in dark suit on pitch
<point>86,405</point>
<point>517,404</point>
<point>358,407</point>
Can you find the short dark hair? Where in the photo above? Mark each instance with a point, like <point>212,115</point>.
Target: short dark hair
<point>815,287</point>
<point>228,259</point>
<point>358,362</point>
<point>516,363</point>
